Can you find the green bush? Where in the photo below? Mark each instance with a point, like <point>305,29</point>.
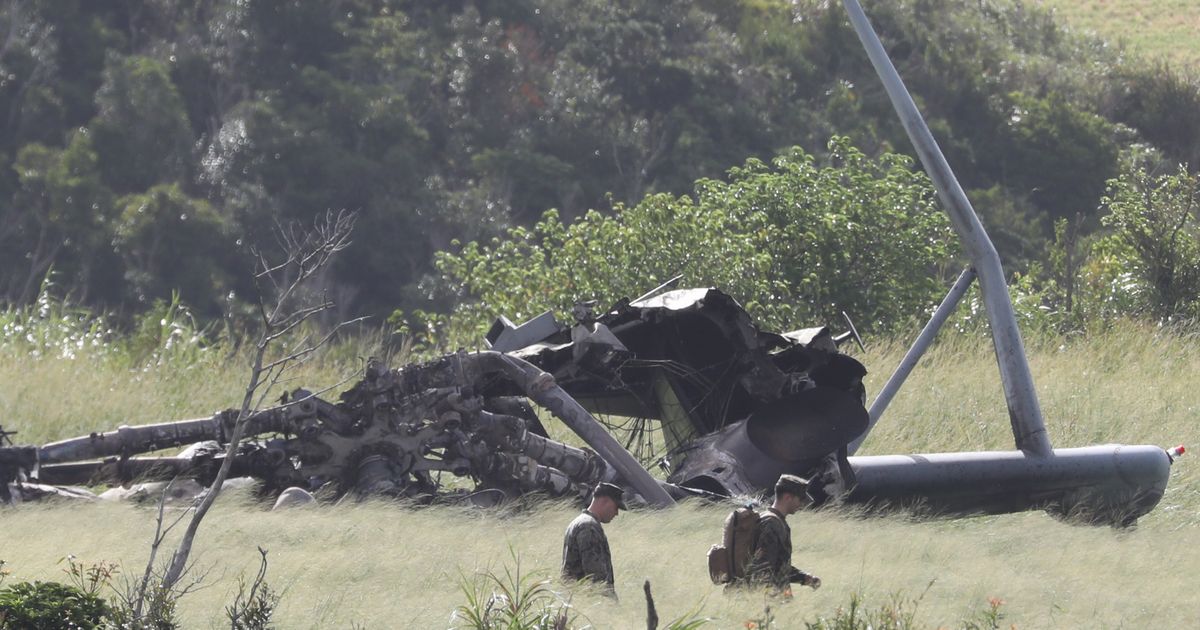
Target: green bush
<point>795,241</point>
<point>512,601</point>
<point>1156,234</point>
<point>49,606</point>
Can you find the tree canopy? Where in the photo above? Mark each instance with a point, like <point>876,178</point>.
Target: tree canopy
<point>133,131</point>
<point>795,241</point>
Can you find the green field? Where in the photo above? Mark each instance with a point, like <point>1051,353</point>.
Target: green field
<point>383,566</point>
<point>1168,29</point>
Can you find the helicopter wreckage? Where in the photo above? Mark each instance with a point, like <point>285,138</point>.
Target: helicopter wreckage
<point>736,407</point>
<point>688,363</point>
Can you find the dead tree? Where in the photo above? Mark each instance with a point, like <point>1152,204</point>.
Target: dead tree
<point>284,307</point>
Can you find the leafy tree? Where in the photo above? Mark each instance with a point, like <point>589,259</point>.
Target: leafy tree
<point>141,131</point>
<point>172,243</point>
<point>1016,227</point>
<point>1156,234</point>
<point>1162,103</point>
<point>461,120</point>
<point>1058,154</point>
<point>861,235</point>
<point>59,219</point>
<point>794,241</point>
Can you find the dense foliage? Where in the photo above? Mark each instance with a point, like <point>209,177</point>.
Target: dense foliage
<point>1156,233</point>
<point>50,606</point>
<point>795,241</point>
<point>144,144</point>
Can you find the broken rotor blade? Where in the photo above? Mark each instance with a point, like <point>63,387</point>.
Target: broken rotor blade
<point>541,388</point>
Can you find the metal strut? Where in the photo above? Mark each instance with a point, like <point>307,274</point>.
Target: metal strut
<point>1024,412</point>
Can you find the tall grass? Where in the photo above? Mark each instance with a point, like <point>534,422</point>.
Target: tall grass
<point>1160,28</point>
<point>67,372</point>
<point>380,565</point>
<point>508,599</point>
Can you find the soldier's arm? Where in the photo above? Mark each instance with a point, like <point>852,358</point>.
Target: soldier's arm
<point>800,577</point>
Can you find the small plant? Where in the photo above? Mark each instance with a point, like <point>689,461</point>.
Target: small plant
<point>52,327</point>
<point>157,610</point>
<point>687,621</point>
<point>90,579</point>
<point>765,621</point>
<point>899,613</point>
<point>511,601</point>
<point>894,615</point>
<point>3,574</point>
<point>988,619</point>
<point>50,606</point>
<point>252,610</point>
<point>167,332</point>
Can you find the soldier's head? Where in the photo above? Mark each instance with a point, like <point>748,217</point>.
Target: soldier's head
<point>607,501</point>
<point>791,493</point>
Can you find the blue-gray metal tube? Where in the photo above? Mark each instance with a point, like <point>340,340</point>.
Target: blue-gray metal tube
<point>924,340</point>
<point>1112,482</point>
<point>1024,412</point>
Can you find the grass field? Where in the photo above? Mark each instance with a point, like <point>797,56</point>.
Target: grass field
<point>1168,29</point>
<point>382,566</point>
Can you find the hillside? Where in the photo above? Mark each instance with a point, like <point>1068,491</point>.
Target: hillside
<point>1158,28</point>
<point>133,135</point>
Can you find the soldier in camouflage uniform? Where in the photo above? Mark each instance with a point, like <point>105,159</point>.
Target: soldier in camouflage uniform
<point>585,547</point>
<point>771,563</point>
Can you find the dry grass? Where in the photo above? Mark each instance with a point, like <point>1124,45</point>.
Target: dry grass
<point>1132,385</point>
<point>382,566</point>
<point>51,399</point>
<point>1168,29</point>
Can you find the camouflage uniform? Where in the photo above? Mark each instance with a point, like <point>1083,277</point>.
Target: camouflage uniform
<point>771,563</point>
<point>585,552</point>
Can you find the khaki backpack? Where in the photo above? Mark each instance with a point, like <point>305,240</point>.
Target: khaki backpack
<point>729,560</point>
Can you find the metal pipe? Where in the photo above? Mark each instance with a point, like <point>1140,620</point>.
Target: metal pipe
<point>145,438</point>
<point>578,464</point>
<point>1024,412</point>
<point>1110,483</point>
<point>924,340</point>
<point>127,440</point>
<point>509,433</point>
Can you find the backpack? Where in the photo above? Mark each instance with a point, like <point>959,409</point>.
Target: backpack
<point>728,561</point>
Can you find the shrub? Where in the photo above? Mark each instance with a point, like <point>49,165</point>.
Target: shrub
<point>511,601</point>
<point>796,241</point>
<point>50,606</point>
<point>1156,231</point>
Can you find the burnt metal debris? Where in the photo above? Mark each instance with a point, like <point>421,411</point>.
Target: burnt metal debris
<point>736,407</point>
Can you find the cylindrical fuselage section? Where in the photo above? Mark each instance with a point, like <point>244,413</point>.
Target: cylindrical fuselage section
<point>1114,483</point>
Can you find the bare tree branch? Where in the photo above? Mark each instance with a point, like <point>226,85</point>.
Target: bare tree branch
<point>305,252</point>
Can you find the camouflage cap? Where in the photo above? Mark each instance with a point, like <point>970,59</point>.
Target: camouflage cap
<point>791,484</point>
<point>612,491</point>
